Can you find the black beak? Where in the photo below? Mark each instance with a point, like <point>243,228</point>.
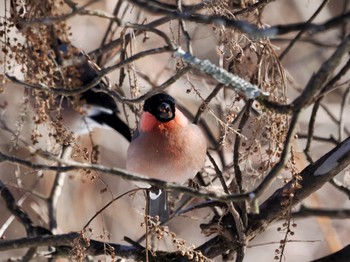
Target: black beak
<point>165,111</point>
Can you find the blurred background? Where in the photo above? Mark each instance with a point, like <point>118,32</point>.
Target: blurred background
<point>32,120</point>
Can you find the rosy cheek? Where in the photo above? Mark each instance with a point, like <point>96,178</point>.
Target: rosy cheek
<point>180,119</point>
<point>147,122</point>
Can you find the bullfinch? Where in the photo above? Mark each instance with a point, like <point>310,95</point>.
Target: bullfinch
<point>166,146</point>
<point>102,107</point>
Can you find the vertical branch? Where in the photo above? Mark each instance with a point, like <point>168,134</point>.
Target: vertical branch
<point>240,227</point>
<point>240,232</point>
<point>147,221</point>
<point>344,102</point>
<point>109,32</point>
<point>277,168</point>
<point>316,105</point>
<point>219,174</point>
<point>238,172</point>
<point>184,29</point>
<point>242,123</point>
<point>56,191</point>
<point>310,132</point>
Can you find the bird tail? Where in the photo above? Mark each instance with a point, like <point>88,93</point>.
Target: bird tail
<point>158,205</point>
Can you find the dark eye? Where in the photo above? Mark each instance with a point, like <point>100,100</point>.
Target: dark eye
<point>165,112</point>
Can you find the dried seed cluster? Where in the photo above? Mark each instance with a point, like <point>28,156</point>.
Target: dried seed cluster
<point>155,229</point>
<point>36,50</point>
<point>287,201</point>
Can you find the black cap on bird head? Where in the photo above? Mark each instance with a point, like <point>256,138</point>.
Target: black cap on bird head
<point>161,106</point>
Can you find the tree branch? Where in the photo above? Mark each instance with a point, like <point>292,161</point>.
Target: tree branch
<point>243,26</point>
<point>313,177</point>
<point>339,256</point>
<point>331,213</point>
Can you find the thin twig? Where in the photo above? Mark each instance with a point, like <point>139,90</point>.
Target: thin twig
<point>206,102</point>
<point>268,180</point>
<point>53,20</point>
<point>56,190</point>
<point>298,36</point>
<point>331,213</point>
<point>236,152</point>
<point>65,166</point>
<point>258,5</point>
<point>243,26</point>
<point>338,185</point>
<point>344,103</point>
<point>315,84</point>
<point>132,191</point>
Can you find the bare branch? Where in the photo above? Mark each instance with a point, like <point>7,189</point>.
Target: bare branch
<point>316,82</point>
<point>339,256</point>
<point>238,84</point>
<point>298,36</point>
<point>338,185</point>
<point>56,191</point>
<point>313,177</point>
<point>243,26</point>
<point>331,213</point>
<point>329,165</point>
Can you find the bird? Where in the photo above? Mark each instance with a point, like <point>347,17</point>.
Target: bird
<point>102,108</point>
<point>165,146</point>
